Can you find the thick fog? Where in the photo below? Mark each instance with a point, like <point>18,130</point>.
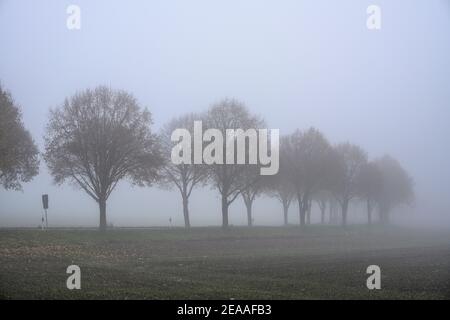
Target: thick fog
<point>295,63</point>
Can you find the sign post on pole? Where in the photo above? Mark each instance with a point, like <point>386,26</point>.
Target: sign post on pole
<point>45,205</point>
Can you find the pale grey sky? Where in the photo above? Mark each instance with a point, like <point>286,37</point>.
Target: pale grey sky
<point>296,63</point>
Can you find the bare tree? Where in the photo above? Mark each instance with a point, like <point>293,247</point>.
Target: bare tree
<point>322,198</point>
<point>285,194</point>
<point>185,176</point>
<point>333,211</point>
<point>18,153</point>
<point>369,187</point>
<point>397,186</point>
<point>279,185</point>
<point>251,189</point>
<point>254,183</point>
<point>351,159</point>
<point>308,211</point>
<point>229,179</point>
<point>99,137</point>
<point>307,156</point>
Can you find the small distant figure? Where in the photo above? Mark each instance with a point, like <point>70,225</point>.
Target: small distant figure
<point>170,221</point>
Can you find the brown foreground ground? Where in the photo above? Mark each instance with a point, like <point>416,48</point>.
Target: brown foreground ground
<point>320,262</point>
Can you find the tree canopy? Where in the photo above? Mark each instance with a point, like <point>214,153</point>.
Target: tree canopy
<point>397,186</point>
<point>230,179</point>
<point>19,155</point>
<point>307,157</point>
<point>99,137</point>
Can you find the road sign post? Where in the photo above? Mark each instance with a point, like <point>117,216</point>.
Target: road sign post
<point>45,206</point>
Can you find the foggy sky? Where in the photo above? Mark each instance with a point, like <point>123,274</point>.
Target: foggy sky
<point>296,63</point>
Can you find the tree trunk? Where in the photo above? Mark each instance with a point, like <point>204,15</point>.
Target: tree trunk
<point>330,212</point>
<point>369,213</point>
<point>308,214</point>
<point>301,211</point>
<point>249,213</point>
<point>187,223</point>
<point>224,212</point>
<point>285,213</point>
<point>102,205</point>
<point>344,212</point>
<point>322,215</point>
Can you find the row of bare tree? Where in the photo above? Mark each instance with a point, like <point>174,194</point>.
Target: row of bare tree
<point>312,170</point>
<point>99,137</point>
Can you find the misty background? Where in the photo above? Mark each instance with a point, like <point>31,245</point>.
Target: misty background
<point>296,63</point>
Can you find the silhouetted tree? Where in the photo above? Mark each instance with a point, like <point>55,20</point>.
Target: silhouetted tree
<point>322,198</point>
<point>370,182</point>
<point>99,137</point>
<point>186,176</point>
<point>307,158</point>
<point>251,189</point>
<point>308,211</point>
<point>333,211</point>
<point>18,153</point>
<point>229,179</point>
<point>283,191</point>
<point>279,185</point>
<point>397,186</point>
<point>351,159</point>
<point>254,182</point>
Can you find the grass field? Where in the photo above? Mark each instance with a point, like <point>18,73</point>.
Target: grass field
<point>321,262</point>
